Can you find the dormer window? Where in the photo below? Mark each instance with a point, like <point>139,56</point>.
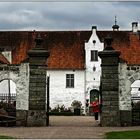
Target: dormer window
<point>94,55</point>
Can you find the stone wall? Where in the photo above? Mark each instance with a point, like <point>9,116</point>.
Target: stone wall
<point>37,88</point>
<point>31,109</point>
<point>23,87</point>
<point>37,84</point>
<point>124,88</point>
<point>20,76</point>
<point>110,115</point>
<point>127,75</point>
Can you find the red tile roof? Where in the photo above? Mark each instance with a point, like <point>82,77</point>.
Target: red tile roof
<point>67,47</point>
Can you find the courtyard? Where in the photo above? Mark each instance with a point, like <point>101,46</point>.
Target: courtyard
<point>64,127</point>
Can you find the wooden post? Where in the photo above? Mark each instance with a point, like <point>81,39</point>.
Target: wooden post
<point>9,93</point>
<point>48,101</point>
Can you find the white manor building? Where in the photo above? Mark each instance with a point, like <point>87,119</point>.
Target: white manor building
<point>78,84</point>
<point>74,67</point>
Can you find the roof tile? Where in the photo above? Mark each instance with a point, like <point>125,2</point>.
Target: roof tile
<point>67,47</point>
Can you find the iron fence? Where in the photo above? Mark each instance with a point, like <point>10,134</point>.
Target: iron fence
<point>6,98</point>
<point>135,111</point>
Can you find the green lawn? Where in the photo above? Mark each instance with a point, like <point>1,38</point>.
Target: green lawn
<point>5,137</point>
<point>123,135</point>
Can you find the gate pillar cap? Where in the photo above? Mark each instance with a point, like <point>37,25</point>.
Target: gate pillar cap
<point>108,43</point>
<point>109,50</point>
<point>38,51</point>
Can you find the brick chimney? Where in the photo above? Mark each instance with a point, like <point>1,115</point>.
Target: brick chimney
<point>134,27</point>
<point>94,29</point>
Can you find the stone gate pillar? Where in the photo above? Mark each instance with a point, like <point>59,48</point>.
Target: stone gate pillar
<point>110,115</point>
<point>37,84</point>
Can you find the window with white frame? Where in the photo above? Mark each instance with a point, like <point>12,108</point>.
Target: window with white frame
<point>69,80</point>
<point>94,55</point>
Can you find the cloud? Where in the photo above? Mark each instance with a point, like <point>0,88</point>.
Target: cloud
<point>67,15</point>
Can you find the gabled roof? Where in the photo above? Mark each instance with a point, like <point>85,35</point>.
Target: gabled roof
<point>67,47</point>
<point>3,60</point>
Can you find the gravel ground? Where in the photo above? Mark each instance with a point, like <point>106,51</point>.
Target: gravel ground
<point>64,127</point>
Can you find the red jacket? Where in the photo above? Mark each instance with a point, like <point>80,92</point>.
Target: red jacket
<point>95,105</point>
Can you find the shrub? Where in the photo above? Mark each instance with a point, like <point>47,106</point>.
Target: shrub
<point>61,109</point>
<point>3,105</point>
<point>76,104</point>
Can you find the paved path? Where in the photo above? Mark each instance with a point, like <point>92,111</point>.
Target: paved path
<point>74,127</point>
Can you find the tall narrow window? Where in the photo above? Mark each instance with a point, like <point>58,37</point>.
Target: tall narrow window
<point>94,55</point>
<point>70,80</point>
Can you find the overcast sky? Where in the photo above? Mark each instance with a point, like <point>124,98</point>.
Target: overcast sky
<point>67,15</point>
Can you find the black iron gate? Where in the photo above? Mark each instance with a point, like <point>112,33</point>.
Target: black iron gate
<point>135,111</point>
<point>7,109</point>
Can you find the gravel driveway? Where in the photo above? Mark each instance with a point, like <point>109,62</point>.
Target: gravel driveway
<point>63,127</point>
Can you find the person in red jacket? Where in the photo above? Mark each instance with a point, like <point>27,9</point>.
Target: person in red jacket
<point>96,108</point>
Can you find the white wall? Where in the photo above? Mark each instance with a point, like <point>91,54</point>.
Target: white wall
<point>92,77</point>
<point>23,87</point>
<point>135,88</point>
<point>124,88</point>
<point>4,87</point>
<point>59,94</point>
<point>7,55</point>
<point>21,79</point>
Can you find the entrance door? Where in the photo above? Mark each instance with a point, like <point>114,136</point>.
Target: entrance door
<point>135,102</point>
<point>93,95</point>
<point>7,103</point>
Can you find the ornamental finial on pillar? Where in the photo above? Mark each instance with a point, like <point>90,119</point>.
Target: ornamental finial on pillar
<point>38,40</point>
<point>108,43</point>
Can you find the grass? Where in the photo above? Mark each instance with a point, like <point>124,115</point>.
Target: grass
<point>123,135</point>
<point>6,137</point>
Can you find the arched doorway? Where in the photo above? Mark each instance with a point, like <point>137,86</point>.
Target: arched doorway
<point>7,102</point>
<point>135,92</point>
<point>7,91</point>
<point>135,102</point>
<point>94,94</point>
